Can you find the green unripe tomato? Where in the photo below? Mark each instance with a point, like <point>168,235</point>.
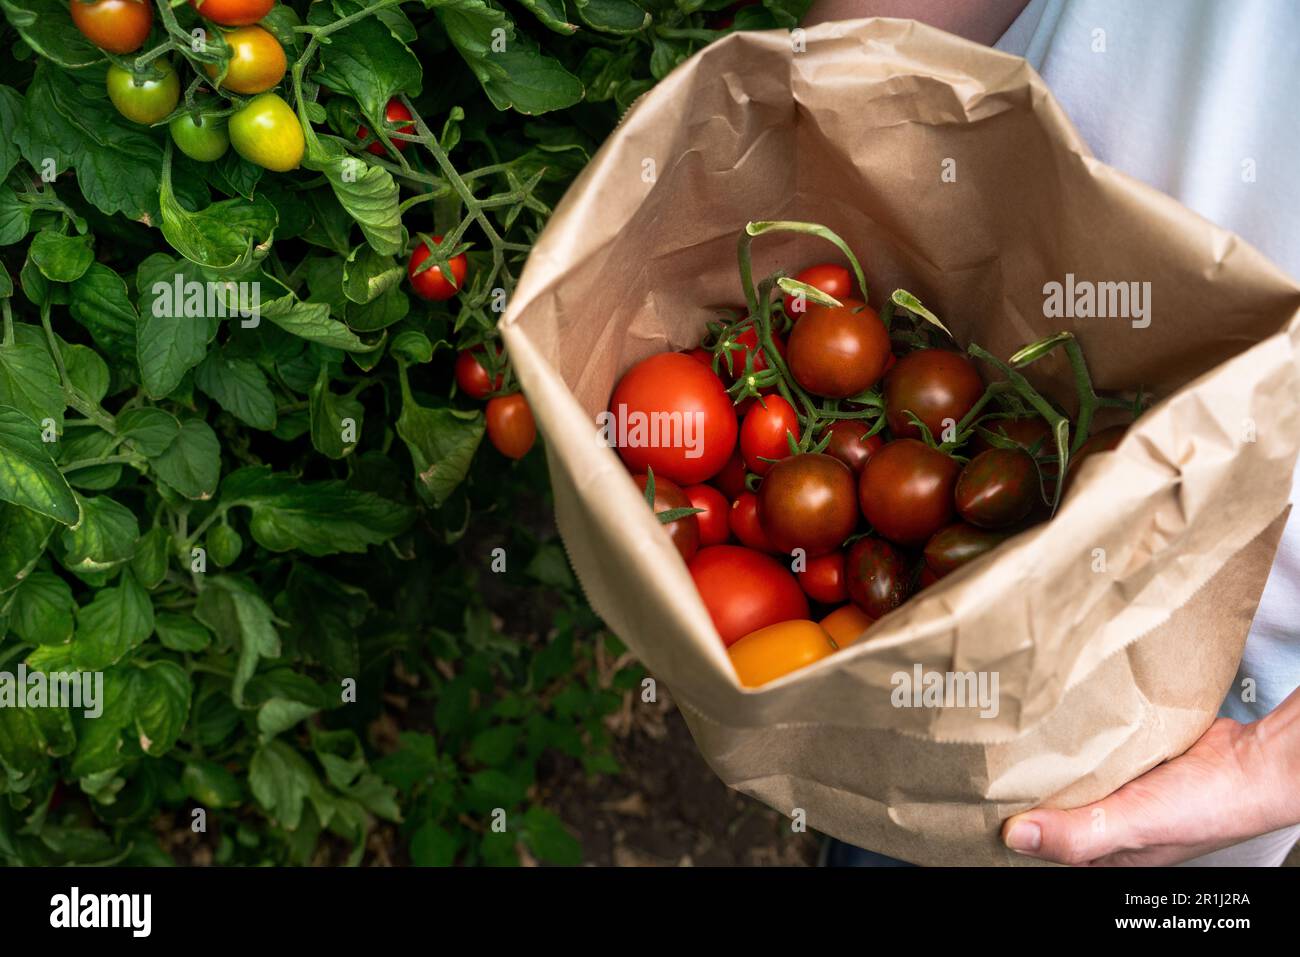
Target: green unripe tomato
<point>224,545</point>
<point>201,138</point>
<point>146,98</point>
<point>267,132</point>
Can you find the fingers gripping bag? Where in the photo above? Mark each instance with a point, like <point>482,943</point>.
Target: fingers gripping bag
<point>1115,629</point>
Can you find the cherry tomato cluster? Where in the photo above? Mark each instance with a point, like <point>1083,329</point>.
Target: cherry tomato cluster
<point>264,129</point>
<point>510,424</point>
<point>855,456</point>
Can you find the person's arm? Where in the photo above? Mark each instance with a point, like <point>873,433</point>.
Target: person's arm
<point>980,20</point>
<point>1236,782</point>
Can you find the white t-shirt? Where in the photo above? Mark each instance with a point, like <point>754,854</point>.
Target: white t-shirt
<point>1198,98</point>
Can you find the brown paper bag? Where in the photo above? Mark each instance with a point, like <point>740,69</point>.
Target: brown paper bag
<point>1116,628</point>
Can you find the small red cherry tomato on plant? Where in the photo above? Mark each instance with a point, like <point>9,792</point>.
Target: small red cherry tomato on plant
<point>714,527</point>
<point>431,284</point>
<point>472,378</point>
<point>395,113</point>
<point>745,590</point>
<point>510,425</point>
<point>763,433</point>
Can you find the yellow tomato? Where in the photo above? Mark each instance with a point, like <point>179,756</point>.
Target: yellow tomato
<point>846,624</point>
<point>767,654</point>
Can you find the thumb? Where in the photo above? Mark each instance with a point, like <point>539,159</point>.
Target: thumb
<point>1076,836</point>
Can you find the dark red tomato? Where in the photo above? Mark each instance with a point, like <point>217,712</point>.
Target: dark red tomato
<point>928,577</point>
<point>835,281</point>
<point>1026,431</point>
<point>472,377</point>
<point>935,385</point>
<point>954,546</point>
<point>850,443</point>
<point>432,284</point>
<point>742,345</point>
<point>743,521</point>
<point>877,576</point>
<point>731,479</point>
<point>672,414</point>
<point>713,519</point>
<point>807,501</point>
<point>510,425</point>
<point>823,579</point>
<point>683,532</point>
<point>701,354</point>
<point>745,590</point>
<point>118,26</point>
<point>395,113</point>
<point>763,433</point>
<point>997,488</point>
<point>233,13</point>
<point>837,353</point>
<point>1103,441</point>
<point>906,491</point>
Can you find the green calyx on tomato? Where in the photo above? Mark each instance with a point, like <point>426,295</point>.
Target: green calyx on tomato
<point>145,97</point>
<point>267,132</point>
<point>118,26</point>
<point>200,137</point>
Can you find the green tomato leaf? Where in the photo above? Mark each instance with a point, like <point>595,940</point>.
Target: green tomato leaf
<point>364,60</point>
<point>335,420</point>
<point>29,379</point>
<point>191,464</point>
<point>48,30</point>
<point>99,301</point>
<point>162,693</point>
<point>24,534</point>
<point>61,258</point>
<point>236,613</point>
<point>28,475</point>
<point>105,537</point>
<point>612,16</point>
<point>148,430</point>
<point>226,237</point>
<point>442,442</point>
<point>42,610</point>
<point>181,632</point>
<point>239,387</point>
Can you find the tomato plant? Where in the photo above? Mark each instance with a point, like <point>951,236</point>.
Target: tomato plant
<point>745,590</point>
<point>118,26</point>
<point>396,116</point>
<point>431,282</point>
<point>472,378</point>
<point>234,518</point>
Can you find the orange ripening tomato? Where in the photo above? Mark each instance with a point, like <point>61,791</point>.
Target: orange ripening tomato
<point>510,425</point>
<point>257,61</point>
<point>233,13</point>
<point>767,654</point>
<point>845,625</point>
<point>118,26</point>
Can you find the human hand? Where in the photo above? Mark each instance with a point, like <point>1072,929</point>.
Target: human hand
<point>1236,782</point>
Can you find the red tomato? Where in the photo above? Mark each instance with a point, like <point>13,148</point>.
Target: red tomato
<point>432,284</point>
<point>744,523</point>
<point>997,488</point>
<point>823,579</point>
<point>846,624</point>
<point>906,491</point>
<point>835,281</point>
<point>731,479</point>
<point>850,443</point>
<point>935,385</point>
<point>767,654</point>
<point>714,519</point>
<point>672,414</point>
<point>877,577</point>
<point>472,377</point>
<point>233,13</point>
<point>118,26</point>
<point>808,501</point>
<point>763,433</point>
<point>395,112</point>
<point>510,425</point>
<point>742,345</point>
<point>684,532</point>
<point>837,353</point>
<point>954,546</point>
<point>745,590</point>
